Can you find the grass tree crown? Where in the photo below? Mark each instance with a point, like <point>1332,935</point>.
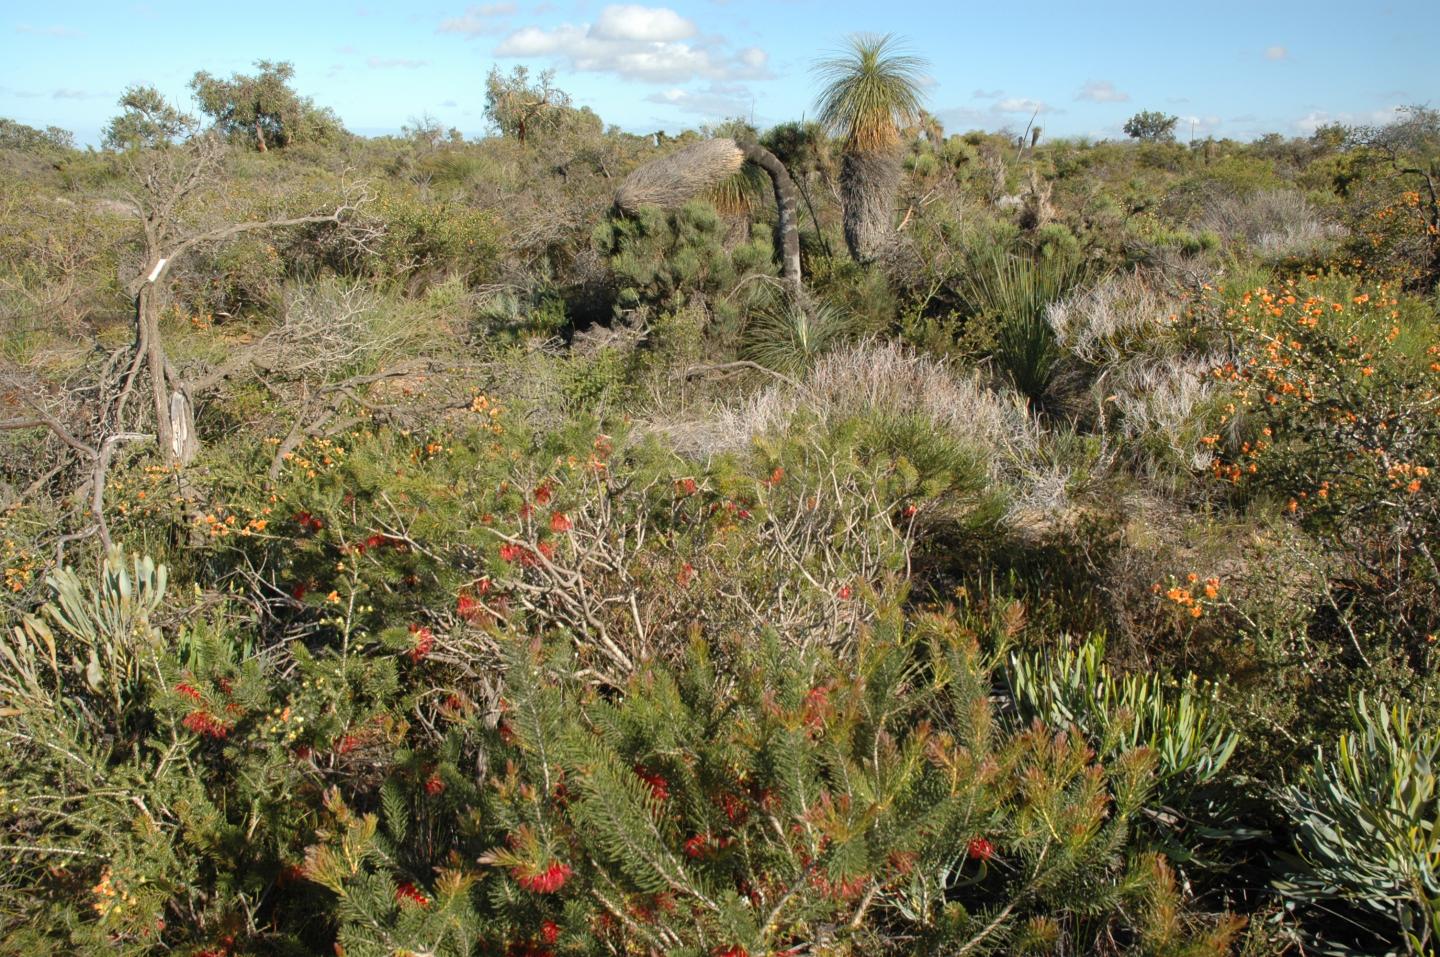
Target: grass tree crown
<point>872,90</point>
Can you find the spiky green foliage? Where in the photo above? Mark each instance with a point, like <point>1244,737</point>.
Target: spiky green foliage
<point>1367,835</point>
<point>871,91</point>
<point>791,337</point>
<point>1012,292</point>
<point>1118,713</point>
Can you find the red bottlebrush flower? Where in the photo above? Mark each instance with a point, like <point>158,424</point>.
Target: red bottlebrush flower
<point>347,744</point>
<point>487,519</point>
<point>467,607</point>
<point>205,724</point>
<point>408,893</point>
<point>776,477</point>
<point>526,511</point>
<point>549,931</point>
<point>686,575</point>
<point>507,733</point>
<point>542,493</point>
<point>434,784</point>
<point>817,702</point>
<point>909,511</point>
<point>547,881</point>
<point>980,849</point>
<point>744,513</point>
<point>424,642</point>
<point>686,487</point>
<point>734,807</point>
<point>658,785</point>
<point>188,691</point>
<point>509,552</point>
<point>734,950</point>
<point>843,593</point>
<point>547,549</point>
<point>303,752</point>
<point>697,846</point>
<point>298,592</point>
<point>560,522</point>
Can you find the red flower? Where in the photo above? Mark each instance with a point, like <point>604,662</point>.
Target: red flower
<point>686,486</point>
<point>467,607</point>
<point>734,950</point>
<point>347,744</point>
<point>658,785</point>
<point>686,574</point>
<point>507,733</point>
<point>547,549</point>
<point>980,849</point>
<point>205,724</point>
<point>548,881</point>
<point>527,510</point>
<point>409,893</point>
<point>549,931</point>
<point>542,493</point>
<point>909,511</point>
<point>734,806</point>
<point>424,642</point>
<point>843,593</point>
<point>187,691</point>
<point>696,846</point>
<point>509,552</point>
<point>560,522</point>
<point>434,784</point>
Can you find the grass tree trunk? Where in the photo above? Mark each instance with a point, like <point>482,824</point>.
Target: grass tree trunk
<point>868,182</point>
<point>787,203</point>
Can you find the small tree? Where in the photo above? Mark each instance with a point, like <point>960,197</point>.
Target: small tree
<point>1151,126</point>
<point>263,108</point>
<point>27,139</point>
<point>147,121</point>
<point>517,107</point>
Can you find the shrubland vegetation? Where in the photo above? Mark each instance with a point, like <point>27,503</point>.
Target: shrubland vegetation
<point>416,545</point>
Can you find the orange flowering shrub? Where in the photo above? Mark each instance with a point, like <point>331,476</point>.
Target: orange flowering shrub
<point>1335,412</point>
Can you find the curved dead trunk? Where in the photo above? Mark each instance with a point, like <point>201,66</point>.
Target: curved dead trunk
<point>674,179</point>
<point>868,181</point>
<point>787,199</point>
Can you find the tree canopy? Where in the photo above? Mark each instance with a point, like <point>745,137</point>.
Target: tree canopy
<point>147,121</point>
<point>1151,126</point>
<point>262,109</point>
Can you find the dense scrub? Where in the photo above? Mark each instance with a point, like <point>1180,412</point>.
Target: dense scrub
<point>408,551</point>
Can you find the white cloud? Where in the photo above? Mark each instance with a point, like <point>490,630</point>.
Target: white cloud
<point>1101,91</point>
<point>987,94</point>
<point>650,44</point>
<point>626,22</point>
<point>478,20</point>
<point>1197,126</point>
<point>1020,104</point>
<point>393,63</point>
<point>1277,53</point>
<point>717,101</point>
<point>1315,119</point>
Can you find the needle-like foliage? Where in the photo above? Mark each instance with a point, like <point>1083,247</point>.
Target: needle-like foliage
<point>872,91</point>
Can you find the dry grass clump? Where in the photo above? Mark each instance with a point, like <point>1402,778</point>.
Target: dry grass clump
<point>1128,363</point>
<point>673,180</point>
<point>872,379</point>
<point>1277,224</point>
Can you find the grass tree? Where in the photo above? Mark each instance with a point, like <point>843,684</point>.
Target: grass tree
<point>872,92</point>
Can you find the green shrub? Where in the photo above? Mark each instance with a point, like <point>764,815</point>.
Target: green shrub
<point>1367,836</point>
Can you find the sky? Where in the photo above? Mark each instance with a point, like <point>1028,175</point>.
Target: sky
<point>1228,69</point>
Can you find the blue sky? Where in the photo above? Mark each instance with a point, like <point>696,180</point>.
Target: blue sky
<point>1227,68</point>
